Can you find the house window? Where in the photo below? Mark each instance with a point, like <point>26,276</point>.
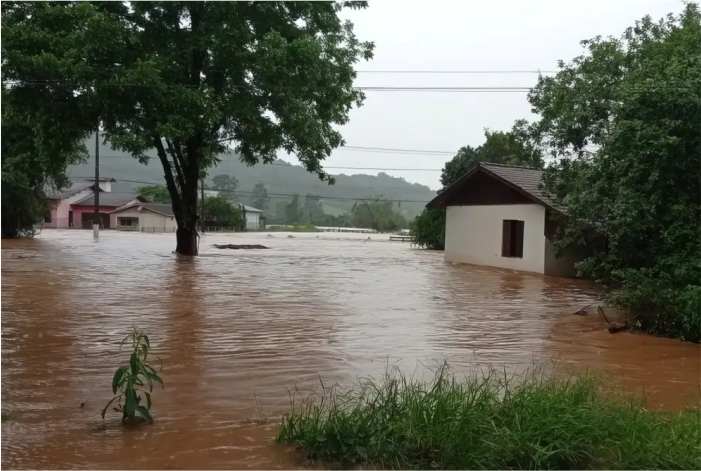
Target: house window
<point>512,238</point>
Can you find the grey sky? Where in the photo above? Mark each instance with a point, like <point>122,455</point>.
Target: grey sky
<point>463,35</point>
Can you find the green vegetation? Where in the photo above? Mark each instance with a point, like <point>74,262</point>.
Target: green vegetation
<point>187,92</point>
<point>221,211</point>
<point>489,421</point>
<point>515,147</point>
<point>374,213</point>
<point>428,229</point>
<point>155,194</point>
<point>35,153</point>
<point>377,214</point>
<point>134,382</point>
<point>623,122</point>
<point>5,416</point>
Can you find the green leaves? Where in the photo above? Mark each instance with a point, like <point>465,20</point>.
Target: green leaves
<point>129,380</point>
<point>638,100</point>
<point>118,378</point>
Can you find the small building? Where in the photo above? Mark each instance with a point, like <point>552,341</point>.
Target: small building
<point>253,217</point>
<point>144,217</point>
<point>497,216</point>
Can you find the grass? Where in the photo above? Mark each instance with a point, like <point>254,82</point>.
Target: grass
<point>305,228</point>
<point>489,420</point>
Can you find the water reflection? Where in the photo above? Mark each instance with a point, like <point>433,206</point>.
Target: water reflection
<point>237,329</point>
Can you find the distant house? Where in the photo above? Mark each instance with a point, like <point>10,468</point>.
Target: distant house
<point>497,215</point>
<point>75,205</point>
<point>253,216</point>
<point>84,210</point>
<point>144,217</point>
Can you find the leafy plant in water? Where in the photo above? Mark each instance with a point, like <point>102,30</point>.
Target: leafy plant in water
<point>132,384</point>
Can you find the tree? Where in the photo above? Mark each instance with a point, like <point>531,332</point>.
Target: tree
<point>293,213</point>
<point>155,194</point>
<point>515,147</point>
<point>259,197</point>
<point>220,211</point>
<point>622,121</point>
<point>35,153</point>
<point>226,185</point>
<point>186,78</point>
<point>312,210</point>
<point>377,214</point>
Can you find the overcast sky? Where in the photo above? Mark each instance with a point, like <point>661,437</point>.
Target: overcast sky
<point>463,35</point>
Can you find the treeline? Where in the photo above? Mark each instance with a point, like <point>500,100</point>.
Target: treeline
<point>621,128</point>
<point>223,209</point>
<point>375,213</point>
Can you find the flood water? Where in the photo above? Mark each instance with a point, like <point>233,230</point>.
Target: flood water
<point>236,330</point>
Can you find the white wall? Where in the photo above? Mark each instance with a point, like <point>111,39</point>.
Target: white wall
<point>147,219</point>
<point>473,234</point>
<point>252,220</point>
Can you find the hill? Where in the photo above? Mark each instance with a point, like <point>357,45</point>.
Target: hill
<point>281,180</point>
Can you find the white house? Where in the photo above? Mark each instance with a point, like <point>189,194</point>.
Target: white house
<point>497,215</point>
<point>144,217</point>
<point>252,216</point>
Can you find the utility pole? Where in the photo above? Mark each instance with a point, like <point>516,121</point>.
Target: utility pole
<point>96,215</point>
<point>202,205</point>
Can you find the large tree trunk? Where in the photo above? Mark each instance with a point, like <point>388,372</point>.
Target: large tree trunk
<point>186,241</point>
<point>186,236</point>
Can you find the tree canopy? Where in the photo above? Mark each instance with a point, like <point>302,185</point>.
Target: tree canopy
<point>35,153</point>
<point>155,194</point>
<point>622,122</point>
<point>189,78</point>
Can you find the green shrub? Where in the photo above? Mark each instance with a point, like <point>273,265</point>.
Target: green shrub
<point>134,382</point>
<point>428,229</point>
<point>489,421</point>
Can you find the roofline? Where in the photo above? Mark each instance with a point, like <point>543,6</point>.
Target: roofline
<point>439,201</point>
<point>141,203</point>
<point>136,197</point>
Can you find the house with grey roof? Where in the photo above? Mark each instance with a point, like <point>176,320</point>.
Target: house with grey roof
<point>498,216</point>
<point>144,217</point>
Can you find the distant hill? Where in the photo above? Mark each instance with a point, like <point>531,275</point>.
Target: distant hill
<point>281,180</point>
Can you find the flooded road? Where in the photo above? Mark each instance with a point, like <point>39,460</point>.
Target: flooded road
<point>237,329</point>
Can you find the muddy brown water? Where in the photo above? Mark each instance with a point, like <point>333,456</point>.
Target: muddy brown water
<point>238,329</point>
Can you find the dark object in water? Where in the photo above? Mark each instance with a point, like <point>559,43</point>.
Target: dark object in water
<point>613,327</point>
<point>240,247</point>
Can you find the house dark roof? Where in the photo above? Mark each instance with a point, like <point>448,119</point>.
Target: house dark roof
<point>164,209</point>
<point>110,199</point>
<point>525,180</point>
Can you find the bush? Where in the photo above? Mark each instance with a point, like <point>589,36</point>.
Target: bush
<point>489,421</point>
<point>428,229</point>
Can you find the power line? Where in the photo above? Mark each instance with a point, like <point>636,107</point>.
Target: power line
<point>325,167</point>
<point>457,89</point>
<point>403,151</point>
<point>457,71</point>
